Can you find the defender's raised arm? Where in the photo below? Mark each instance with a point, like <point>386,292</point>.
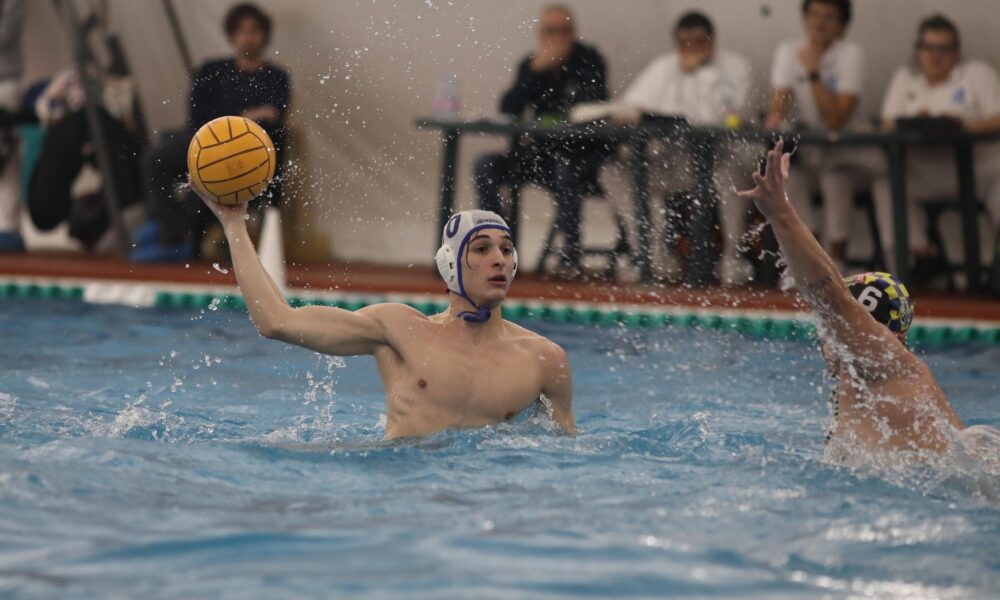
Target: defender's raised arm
<point>851,326</point>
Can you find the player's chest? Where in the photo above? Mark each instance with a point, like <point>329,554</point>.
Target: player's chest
<point>480,380</point>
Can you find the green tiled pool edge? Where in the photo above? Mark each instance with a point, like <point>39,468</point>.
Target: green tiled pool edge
<point>758,324</point>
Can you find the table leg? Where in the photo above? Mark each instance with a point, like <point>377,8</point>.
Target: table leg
<point>449,164</point>
<point>896,154</point>
<point>967,199</point>
<point>699,271</point>
<point>640,198</point>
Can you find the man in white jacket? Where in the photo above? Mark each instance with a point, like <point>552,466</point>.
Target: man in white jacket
<point>707,86</point>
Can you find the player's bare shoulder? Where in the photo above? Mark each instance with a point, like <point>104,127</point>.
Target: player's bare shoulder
<point>393,313</point>
<point>551,356</point>
<point>401,324</point>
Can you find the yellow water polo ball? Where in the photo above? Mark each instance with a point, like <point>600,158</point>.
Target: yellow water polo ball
<point>231,160</point>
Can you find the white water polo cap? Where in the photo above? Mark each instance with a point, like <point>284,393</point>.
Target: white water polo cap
<point>458,232</point>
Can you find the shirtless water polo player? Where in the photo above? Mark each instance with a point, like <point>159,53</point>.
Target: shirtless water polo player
<point>465,367</point>
<point>886,398</point>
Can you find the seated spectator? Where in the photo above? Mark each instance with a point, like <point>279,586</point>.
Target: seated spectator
<point>11,66</point>
<point>244,85</point>
<point>60,190</point>
<point>820,77</point>
<point>561,73</point>
<point>708,86</point>
<point>939,83</point>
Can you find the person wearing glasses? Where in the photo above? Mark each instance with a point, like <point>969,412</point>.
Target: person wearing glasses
<point>561,73</point>
<point>940,83</point>
<point>817,84</point>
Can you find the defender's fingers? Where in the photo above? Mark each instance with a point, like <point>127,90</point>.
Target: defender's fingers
<point>769,165</point>
<point>774,163</point>
<point>779,148</point>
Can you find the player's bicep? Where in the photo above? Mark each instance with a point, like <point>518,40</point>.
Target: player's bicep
<point>332,330</point>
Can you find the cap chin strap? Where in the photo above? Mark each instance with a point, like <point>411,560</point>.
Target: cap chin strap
<point>481,315</point>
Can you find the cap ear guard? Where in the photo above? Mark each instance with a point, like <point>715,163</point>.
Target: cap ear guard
<point>447,267</point>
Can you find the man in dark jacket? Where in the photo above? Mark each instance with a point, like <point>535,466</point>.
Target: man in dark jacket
<point>243,85</point>
<point>562,72</point>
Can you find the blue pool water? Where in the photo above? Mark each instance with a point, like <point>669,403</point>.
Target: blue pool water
<point>178,455</point>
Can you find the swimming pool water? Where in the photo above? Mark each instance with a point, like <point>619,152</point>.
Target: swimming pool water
<point>177,455</point>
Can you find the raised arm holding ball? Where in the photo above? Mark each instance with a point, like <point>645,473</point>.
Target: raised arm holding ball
<point>465,367</point>
<point>886,399</point>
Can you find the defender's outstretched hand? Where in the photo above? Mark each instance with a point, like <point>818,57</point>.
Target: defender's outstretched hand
<point>769,194</point>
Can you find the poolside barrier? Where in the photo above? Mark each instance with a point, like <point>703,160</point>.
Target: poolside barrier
<point>762,324</point>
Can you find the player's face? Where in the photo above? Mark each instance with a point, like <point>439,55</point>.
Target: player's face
<point>489,267</point>
<point>822,23</point>
<point>937,53</point>
<point>248,38</point>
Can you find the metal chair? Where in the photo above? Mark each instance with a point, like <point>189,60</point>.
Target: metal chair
<point>620,247</point>
<point>936,209</point>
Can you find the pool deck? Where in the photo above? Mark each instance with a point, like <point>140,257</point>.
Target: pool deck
<point>380,279</point>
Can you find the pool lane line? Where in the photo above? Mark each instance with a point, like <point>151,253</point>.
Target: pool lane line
<point>754,323</point>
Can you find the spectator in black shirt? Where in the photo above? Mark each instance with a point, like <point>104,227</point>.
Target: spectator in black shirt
<point>243,85</point>
<point>561,73</point>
